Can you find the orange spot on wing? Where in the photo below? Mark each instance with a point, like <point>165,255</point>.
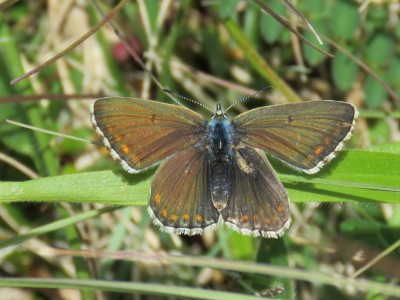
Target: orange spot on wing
<point>125,149</point>
<point>244,218</point>
<point>319,150</point>
<point>198,218</point>
<point>164,213</point>
<point>255,218</point>
<point>186,217</point>
<point>109,128</point>
<point>267,221</point>
<point>173,218</point>
<point>157,198</point>
<point>118,138</point>
<point>281,209</point>
<point>327,140</point>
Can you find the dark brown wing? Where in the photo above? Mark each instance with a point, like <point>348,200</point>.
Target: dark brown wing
<point>141,133</point>
<point>304,135</point>
<point>180,200</point>
<point>258,204</point>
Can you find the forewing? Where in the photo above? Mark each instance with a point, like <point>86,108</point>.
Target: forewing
<point>303,135</point>
<point>180,200</point>
<point>258,204</point>
<point>141,133</point>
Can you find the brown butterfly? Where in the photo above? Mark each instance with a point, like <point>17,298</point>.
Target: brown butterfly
<point>217,169</point>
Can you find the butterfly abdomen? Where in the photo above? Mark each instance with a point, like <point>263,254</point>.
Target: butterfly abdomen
<point>220,162</point>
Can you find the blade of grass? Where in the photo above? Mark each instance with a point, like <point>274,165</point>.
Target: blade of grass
<point>73,45</point>
<point>123,287</point>
<point>54,226</point>
<point>366,177</point>
<point>44,156</point>
<point>223,264</point>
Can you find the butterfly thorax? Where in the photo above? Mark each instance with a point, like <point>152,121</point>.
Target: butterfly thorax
<point>220,160</point>
<point>220,138</point>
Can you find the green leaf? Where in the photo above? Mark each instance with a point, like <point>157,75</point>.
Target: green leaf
<point>380,49</point>
<point>393,74</point>
<point>374,92</point>
<point>227,8</point>
<point>251,23</point>
<point>271,30</point>
<point>344,19</point>
<point>344,71</point>
<point>313,56</point>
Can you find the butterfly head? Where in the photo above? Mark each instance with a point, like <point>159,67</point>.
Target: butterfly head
<point>219,114</point>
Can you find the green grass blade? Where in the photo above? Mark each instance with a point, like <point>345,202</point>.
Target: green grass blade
<point>355,176</point>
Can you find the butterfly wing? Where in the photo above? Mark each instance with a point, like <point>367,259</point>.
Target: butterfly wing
<point>258,204</point>
<point>180,200</point>
<point>303,135</point>
<point>141,133</point>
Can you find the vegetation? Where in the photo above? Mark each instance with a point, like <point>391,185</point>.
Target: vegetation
<point>68,222</point>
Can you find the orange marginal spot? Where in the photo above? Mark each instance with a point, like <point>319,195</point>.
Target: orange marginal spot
<point>327,140</point>
<point>319,150</point>
<point>157,198</point>
<point>186,217</point>
<point>125,149</point>
<point>310,157</point>
<point>109,128</point>
<point>198,218</point>
<point>244,218</point>
<point>118,138</point>
<point>267,221</point>
<point>173,218</point>
<point>164,213</point>
<point>281,209</point>
<point>255,218</point>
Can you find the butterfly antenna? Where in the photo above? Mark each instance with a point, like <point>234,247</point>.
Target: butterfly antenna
<point>186,98</point>
<point>249,97</point>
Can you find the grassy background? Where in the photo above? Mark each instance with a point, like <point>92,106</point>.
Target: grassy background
<point>211,51</point>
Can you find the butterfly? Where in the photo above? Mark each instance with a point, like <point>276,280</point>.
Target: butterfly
<point>217,169</point>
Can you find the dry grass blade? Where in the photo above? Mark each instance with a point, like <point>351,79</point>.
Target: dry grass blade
<point>73,45</point>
